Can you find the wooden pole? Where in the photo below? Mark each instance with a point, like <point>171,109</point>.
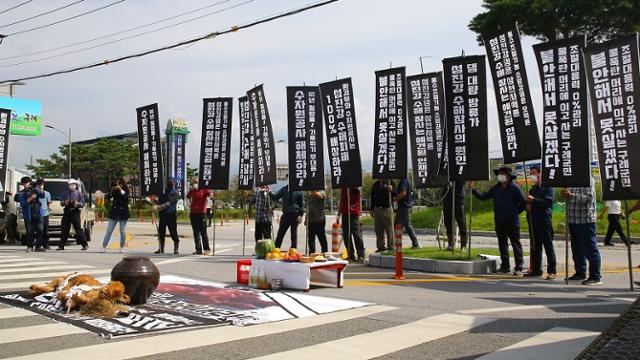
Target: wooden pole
<point>213,219</point>
<point>244,227</point>
<point>469,231</point>
<point>566,242</point>
<point>529,220</point>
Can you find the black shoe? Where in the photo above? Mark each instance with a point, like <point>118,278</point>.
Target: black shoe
<point>39,249</point>
<point>381,250</point>
<point>175,247</point>
<point>533,274</point>
<point>609,244</point>
<point>416,246</point>
<point>47,247</point>
<point>84,248</point>
<point>577,277</point>
<point>60,248</point>
<point>592,282</point>
<point>504,271</point>
<point>196,253</point>
<point>29,249</point>
<point>159,251</point>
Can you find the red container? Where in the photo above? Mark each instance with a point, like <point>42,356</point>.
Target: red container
<point>242,271</point>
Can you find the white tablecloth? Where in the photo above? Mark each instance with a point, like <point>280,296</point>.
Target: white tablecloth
<point>298,276</point>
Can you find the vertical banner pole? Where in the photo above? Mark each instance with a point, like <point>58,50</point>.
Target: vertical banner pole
<point>470,218</point>
<point>626,209</point>
<point>532,240</point>
<point>566,242</point>
<point>306,227</point>
<point>213,237</point>
<point>453,216</point>
<point>347,241</point>
<point>440,222</point>
<point>244,227</point>
<point>393,216</point>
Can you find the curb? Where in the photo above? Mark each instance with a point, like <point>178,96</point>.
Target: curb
<point>472,267</point>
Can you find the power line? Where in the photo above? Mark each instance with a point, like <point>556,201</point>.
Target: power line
<point>41,14</point>
<point>182,43</point>
<point>127,37</point>
<point>15,6</point>
<point>65,20</point>
<point>115,33</point>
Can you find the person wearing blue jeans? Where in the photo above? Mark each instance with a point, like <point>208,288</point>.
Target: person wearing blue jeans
<point>119,213</point>
<point>581,211</point>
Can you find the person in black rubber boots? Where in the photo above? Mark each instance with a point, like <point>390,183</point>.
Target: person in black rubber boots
<point>72,202</point>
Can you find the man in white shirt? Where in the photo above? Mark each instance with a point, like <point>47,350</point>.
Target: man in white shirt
<point>613,209</point>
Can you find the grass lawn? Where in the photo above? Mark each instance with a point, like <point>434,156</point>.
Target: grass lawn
<point>435,253</point>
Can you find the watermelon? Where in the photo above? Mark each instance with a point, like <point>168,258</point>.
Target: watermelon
<point>263,247</point>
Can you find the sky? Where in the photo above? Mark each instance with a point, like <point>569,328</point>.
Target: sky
<point>350,38</point>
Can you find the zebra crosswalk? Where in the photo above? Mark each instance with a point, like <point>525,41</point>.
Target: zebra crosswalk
<point>22,332</point>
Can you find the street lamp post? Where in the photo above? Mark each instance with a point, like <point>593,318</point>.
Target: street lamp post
<point>69,138</point>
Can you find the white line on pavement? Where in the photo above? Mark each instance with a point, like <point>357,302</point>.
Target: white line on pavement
<point>10,313</point>
<point>52,274</point>
<point>30,263</point>
<point>148,346</point>
<point>71,268</point>
<point>17,259</point>
<point>382,342</point>
<point>38,332</point>
<point>535,307</point>
<point>555,344</point>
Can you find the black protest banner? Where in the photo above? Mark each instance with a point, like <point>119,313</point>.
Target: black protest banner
<point>179,163</point>
<point>264,155</point>
<point>518,129</point>
<point>151,178</point>
<point>342,133</point>
<point>247,146</point>
<point>304,113</point>
<point>465,84</point>
<point>613,78</point>
<point>427,126</point>
<point>565,134</point>
<point>5,126</point>
<point>390,134</point>
<point>215,145</point>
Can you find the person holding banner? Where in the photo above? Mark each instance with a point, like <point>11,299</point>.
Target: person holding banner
<point>198,216</point>
<point>292,211</point>
<point>540,208</point>
<point>581,211</point>
<point>382,212</point>
<point>166,205</point>
<point>264,213</point>
<point>457,211</point>
<point>316,222</point>
<point>404,198</point>
<point>508,203</point>
<point>349,212</point>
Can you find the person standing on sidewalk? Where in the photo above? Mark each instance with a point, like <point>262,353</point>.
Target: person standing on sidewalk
<point>457,211</point>
<point>72,202</point>
<point>508,203</point>
<point>540,208</point>
<point>166,206</point>
<point>198,216</point>
<point>581,209</point>
<point>29,199</point>
<point>404,199</point>
<point>316,222</point>
<point>292,211</point>
<point>350,211</point>
<point>45,209</point>
<point>264,213</point>
<point>613,209</point>
<point>119,213</point>
<point>382,212</point>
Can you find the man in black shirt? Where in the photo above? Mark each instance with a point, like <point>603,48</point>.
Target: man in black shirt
<point>382,213</point>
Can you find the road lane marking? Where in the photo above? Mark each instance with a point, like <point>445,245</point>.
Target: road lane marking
<point>537,307</point>
<point>151,345</point>
<point>382,342</point>
<point>555,344</point>
<point>10,313</point>
<point>17,259</point>
<point>38,332</point>
<point>52,274</point>
<point>71,268</point>
<point>29,263</point>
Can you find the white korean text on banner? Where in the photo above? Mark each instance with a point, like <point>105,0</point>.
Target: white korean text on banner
<point>390,134</point>
<point>151,178</point>
<point>565,131</point>
<point>613,78</point>
<point>5,126</point>
<point>465,84</point>
<point>342,135</point>
<point>179,163</point>
<point>247,146</point>
<point>427,128</point>
<point>265,154</point>
<point>518,129</point>
<point>304,113</point>
<point>215,146</point>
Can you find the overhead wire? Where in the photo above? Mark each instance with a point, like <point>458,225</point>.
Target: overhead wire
<point>175,45</point>
<point>127,37</point>
<point>41,14</point>
<point>65,20</point>
<point>115,33</point>
<point>15,6</point>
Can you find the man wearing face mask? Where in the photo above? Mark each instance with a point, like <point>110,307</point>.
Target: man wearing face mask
<point>539,206</point>
<point>508,203</point>
<point>198,216</point>
<point>166,206</point>
<point>72,202</point>
<point>28,198</point>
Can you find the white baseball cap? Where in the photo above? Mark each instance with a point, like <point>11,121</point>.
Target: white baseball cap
<point>73,181</point>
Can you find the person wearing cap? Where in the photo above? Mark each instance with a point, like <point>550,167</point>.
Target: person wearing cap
<point>72,202</point>
<point>166,205</point>
<point>45,209</point>
<point>292,211</point>
<point>540,208</point>
<point>508,203</point>
<point>198,216</point>
<point>28,198</point>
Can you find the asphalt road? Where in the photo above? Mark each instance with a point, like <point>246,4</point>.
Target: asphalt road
<point>425,317</point>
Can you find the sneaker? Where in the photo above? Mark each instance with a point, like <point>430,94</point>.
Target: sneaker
<point>517,273</point>
<point>196,253</point>
<point>550,277</point>
<point>416,246</point>
<point>103,250</point>
<point>533,274</point>
<point>122,250</point>
<point>503,271</point>
<point>592,282</point>
<point>206,253</point>
<point>381,250</point>
<point>577,277</point>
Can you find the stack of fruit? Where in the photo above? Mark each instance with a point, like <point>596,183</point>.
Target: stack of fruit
<point>276,254</point>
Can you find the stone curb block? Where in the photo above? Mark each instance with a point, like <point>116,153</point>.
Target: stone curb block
<point>475,267</point>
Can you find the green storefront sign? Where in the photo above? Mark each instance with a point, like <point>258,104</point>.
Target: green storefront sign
<point>26,116</point>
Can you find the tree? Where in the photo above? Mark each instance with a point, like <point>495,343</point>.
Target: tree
<point>555,19</point>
